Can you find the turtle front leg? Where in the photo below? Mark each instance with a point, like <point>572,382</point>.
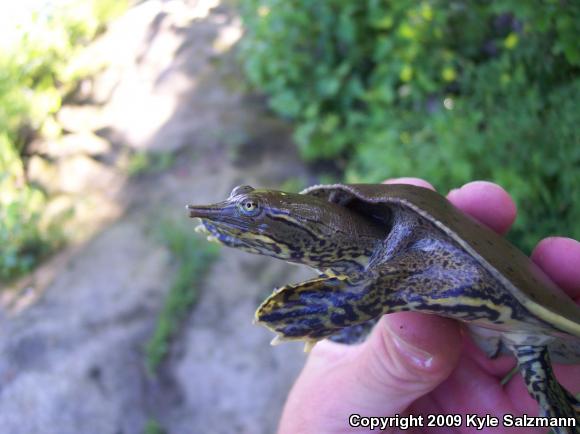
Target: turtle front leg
<point>555,401</point>
<point>318,308</point>
<point>355,334</point>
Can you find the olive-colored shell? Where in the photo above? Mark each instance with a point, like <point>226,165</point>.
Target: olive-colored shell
<point>519,275</point>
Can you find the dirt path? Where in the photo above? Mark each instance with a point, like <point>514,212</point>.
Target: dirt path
<point>72,356</point>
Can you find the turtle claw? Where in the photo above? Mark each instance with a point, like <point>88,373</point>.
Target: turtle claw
<point>308,344</point>
<point>212,239</point>
<point>277,340</point>
<point>201,229</point>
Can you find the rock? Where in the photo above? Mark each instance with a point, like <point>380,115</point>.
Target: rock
<point>80,118</point>
<point>42,172</point>
<point>122,46</point>
<point>77,174</point>
<point>156,70</point>
<point>56,208</point>
<point>72,363</point>
<point>92,211</point>
<point>81,174</point>
<point>83,214</point>
<point>85,143</point>
<point>228,36</point>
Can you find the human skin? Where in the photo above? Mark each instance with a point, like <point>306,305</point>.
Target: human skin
<point>415,363</point>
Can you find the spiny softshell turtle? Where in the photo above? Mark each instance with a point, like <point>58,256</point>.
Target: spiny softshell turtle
<point>390,248</point>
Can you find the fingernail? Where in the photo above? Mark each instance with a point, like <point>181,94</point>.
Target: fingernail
<point>420,358</point>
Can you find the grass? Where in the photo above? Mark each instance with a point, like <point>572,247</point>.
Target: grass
<point>193,257</point>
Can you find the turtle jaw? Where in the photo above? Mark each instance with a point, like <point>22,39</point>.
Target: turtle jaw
<point>227,230</point>
<point>214,234</point>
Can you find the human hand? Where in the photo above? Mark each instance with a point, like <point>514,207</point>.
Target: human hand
<point>420,364</point>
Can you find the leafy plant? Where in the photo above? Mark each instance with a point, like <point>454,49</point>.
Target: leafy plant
<point>447,91</point>
<point>37,42</point>
<point>23,237</point>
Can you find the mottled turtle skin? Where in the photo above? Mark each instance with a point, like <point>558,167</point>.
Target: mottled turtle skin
<point>390,248</point>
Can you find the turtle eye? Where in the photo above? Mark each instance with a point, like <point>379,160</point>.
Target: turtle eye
<point>249,207</point>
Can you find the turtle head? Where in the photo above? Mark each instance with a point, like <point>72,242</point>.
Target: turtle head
<point>289,226</point>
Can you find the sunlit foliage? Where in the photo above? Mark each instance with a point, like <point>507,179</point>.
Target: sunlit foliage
<point>38,43</point>
<point>448,91</point>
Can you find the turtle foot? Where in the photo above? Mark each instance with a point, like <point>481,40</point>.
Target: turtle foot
<point>555,401</point>
<point>310,311</point>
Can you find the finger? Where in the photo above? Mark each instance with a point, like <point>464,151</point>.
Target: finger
<point>487,202</point>
<point>406,356</point>
<point>469,389</point>
<point>559,258</point>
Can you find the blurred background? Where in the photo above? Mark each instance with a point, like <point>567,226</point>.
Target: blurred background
<point>114,316</point>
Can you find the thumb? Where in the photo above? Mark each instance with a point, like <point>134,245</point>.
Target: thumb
<point>406,356</point>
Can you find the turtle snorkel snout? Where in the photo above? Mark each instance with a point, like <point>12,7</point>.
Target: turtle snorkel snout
<point>210,212</point>
<point>218,223</point>
<point>223,209</point>
<point>227,217</point>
